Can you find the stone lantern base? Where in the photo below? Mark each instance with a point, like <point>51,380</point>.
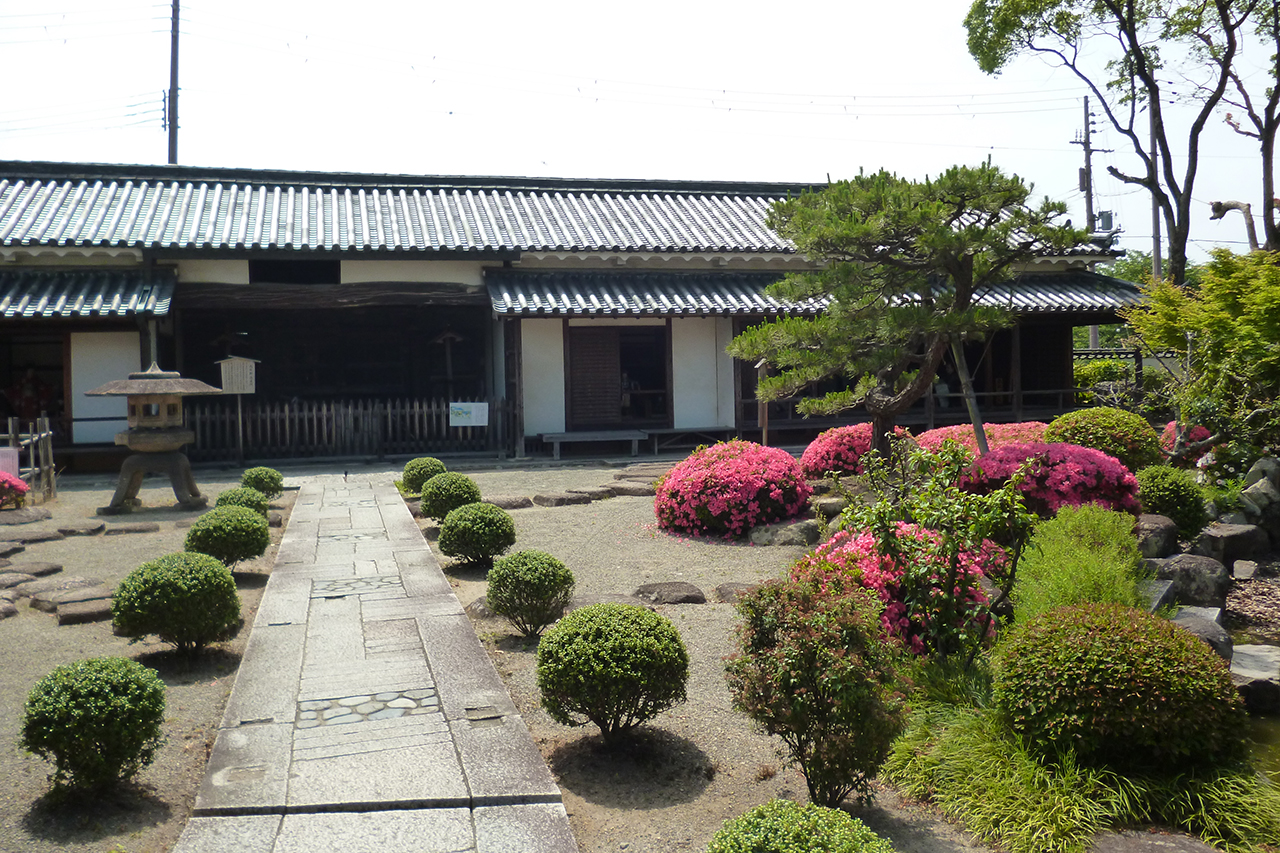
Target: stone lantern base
<point>138,465</point>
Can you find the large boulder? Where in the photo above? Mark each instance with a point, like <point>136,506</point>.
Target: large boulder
<point>1227,543</point>
<point>1157,535</point>
<point>1197,580</point>
<point>1256,673</point>
<point>1265,468</point>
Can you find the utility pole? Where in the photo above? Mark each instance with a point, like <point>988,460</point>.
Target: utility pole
<point>1086,187</point>
<point>171,114</point>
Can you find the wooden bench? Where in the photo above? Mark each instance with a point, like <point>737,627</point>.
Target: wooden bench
<point>669,437</point>
<point>558,438</point>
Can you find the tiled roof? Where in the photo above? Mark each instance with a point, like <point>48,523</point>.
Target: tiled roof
<point>520,293</point>
<point>85,293</point>
<point>179,208</point>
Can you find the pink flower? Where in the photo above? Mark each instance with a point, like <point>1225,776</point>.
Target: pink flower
<point>998,435</point>
<point>1062,475</point>
<point>838,450</point>
<point>12,490</point>
<point>1194,434</point>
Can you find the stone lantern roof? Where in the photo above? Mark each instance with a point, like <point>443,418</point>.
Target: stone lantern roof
<point>153,382</point>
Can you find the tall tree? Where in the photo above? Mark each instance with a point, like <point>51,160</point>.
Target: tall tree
<point>900,264</point>
<point>1143,41</point>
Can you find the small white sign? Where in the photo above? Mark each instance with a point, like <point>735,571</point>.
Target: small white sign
<point>468,414</point>
<point>239,375</point>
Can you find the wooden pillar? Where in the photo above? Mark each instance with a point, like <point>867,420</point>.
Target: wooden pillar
<point>1015,370</point>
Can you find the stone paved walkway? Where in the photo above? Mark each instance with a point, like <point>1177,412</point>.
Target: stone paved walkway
<point>365,715</point>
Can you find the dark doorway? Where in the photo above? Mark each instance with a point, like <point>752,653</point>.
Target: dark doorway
<point>618,377</point>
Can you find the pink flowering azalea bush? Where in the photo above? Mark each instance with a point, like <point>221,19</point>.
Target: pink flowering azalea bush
<point>836,451</point>
<point>728,488</point>
<point>998,435</point>
<point>12,491</point>
<point>1061,475</point>
<point>1194,434</point>
<point>912,587</point>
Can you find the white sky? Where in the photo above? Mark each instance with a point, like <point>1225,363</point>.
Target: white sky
<point>660,90</point>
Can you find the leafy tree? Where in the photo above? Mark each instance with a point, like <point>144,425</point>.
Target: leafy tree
<point>1146,43</point>
<point>901,263</point>
<point>1226,337</point>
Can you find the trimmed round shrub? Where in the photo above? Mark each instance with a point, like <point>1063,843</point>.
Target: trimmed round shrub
<point>1060,475</point>
<point>229,533</point>
<point>1174,493</point>
<point>246,497</point>
<point>531,589</point>
<point>186,599</point>
<point>97,720</point>
<point>446,492</point>
<point>477,532</point>
<point>998,435</point>
<point>813,667</point>
<point>728,488</point>
<point>1195,434</point>
<point>418,471</point>
<point>269,481</point>
<point>616,665</point>
<point>1125,435</point>
<point>782,826</point>
<point>836,451</point>
<point>1119,687</point>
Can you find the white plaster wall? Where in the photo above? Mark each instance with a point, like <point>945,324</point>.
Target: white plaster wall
<point>96,359</point>
<point>213,272</point>
<point>725,409</point>
<point>697,373</point>
<point>460,272</point>
<point>542,354</point>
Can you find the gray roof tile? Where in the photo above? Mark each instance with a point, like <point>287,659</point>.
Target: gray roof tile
<point>29,292</point>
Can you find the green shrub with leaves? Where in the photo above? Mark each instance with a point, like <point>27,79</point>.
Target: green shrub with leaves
<point>1127,436</point>
<point>1110,377</point>
<point>814,668</point>
<point>418,471</point>
<point>615,665</point>
<point>269,481</point>
<point>1174,493</point>
<point>97,720</point>
<point>531,589</point>
<point>246,497</point>
<point>186,599</point>
<point>1083,555</point>
<point>1119,687</point>
<point>229,533</point>
<point>446,492</point>
<point>782,826</point>
<point>477,532</point>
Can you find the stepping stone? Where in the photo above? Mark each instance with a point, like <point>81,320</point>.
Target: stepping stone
<point>12,579</point>
<point>54,600</point>
<point>671,592</point>
<point>40,570</point>
<point>509,501</point>
<point>34,536</point>
<point>55,583</point>
<point>597,494</point>
<point>133,527</point>
<point>8,548</point>
<point>7,609</point>
<point>634,490</point>
<point>24,515</point>
<point>79,612</point>
<point>82,528</point>
<point>733,590</point>
<point>560,499</point>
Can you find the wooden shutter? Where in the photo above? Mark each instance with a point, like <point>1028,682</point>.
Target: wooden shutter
<point>595,378</point>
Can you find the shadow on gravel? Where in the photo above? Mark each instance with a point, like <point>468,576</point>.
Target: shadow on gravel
<point>251,580</point>
<point>177,669</point>
<point>652,769</point>
<point>465,571</point>
<point>912,829</point>
<point>69,819</point>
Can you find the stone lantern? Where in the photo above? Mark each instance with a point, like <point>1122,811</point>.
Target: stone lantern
<point>156,434</point>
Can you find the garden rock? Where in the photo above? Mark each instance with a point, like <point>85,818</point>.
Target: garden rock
<point>829,507</point>
<point>1262,494</point>
<point>479,609</point>
<point>1196,579</point>
<point>806,532</point>
<point>53,600</point>
<point>671,592</point>
<point>275,519</point>
<point>7,609</point>
<point>1211,632</point>
<point>1244,570</point>
<point>730,592</point>
<point>1135,841</point>
<point>54,584</point>
<point>80,612</point>
<point>1227,543</point>
<point>8,549</point>
<point>599,493</point>
<point>1157,535</point>
<point>39,570</point>
<point>1266,468</point>
<point>634,490</point>
<point>12,579</point>
<point>1256,672</point>
<point>1158,593</point>
<point>560,499</point>
<point>82,528</point>
<point>415,506</point>
<point>24,515</point>
<point>32,537</point>
<point>133,527</point>
<point>509,501</point>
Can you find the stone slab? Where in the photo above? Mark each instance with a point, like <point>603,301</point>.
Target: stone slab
<point>441,830</point>
<point>24,515</point>
<point>82,528</point>
<point>7,609</point>
<point>597,493</point>
<point>637,490</point>
<point>560,499</point>
<point>509,501</point>
<point>132,527</point>
<point>1158,593</point>
<point>266,686</point>
<point>465,677</point>
<point>50,601</point>
<point>1133,841</point>
<point>34,537</point>
<point>55,583</point>
<point>248,770</point>
<point>12,579</point>
<point>81,612</point>
<point>40,570</point>
<point>285,601</point>
<point>241,833</point>
<point>535,828</point>
<point>8,548</point>
<point>1210,614</point>
<point>501,762</point>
